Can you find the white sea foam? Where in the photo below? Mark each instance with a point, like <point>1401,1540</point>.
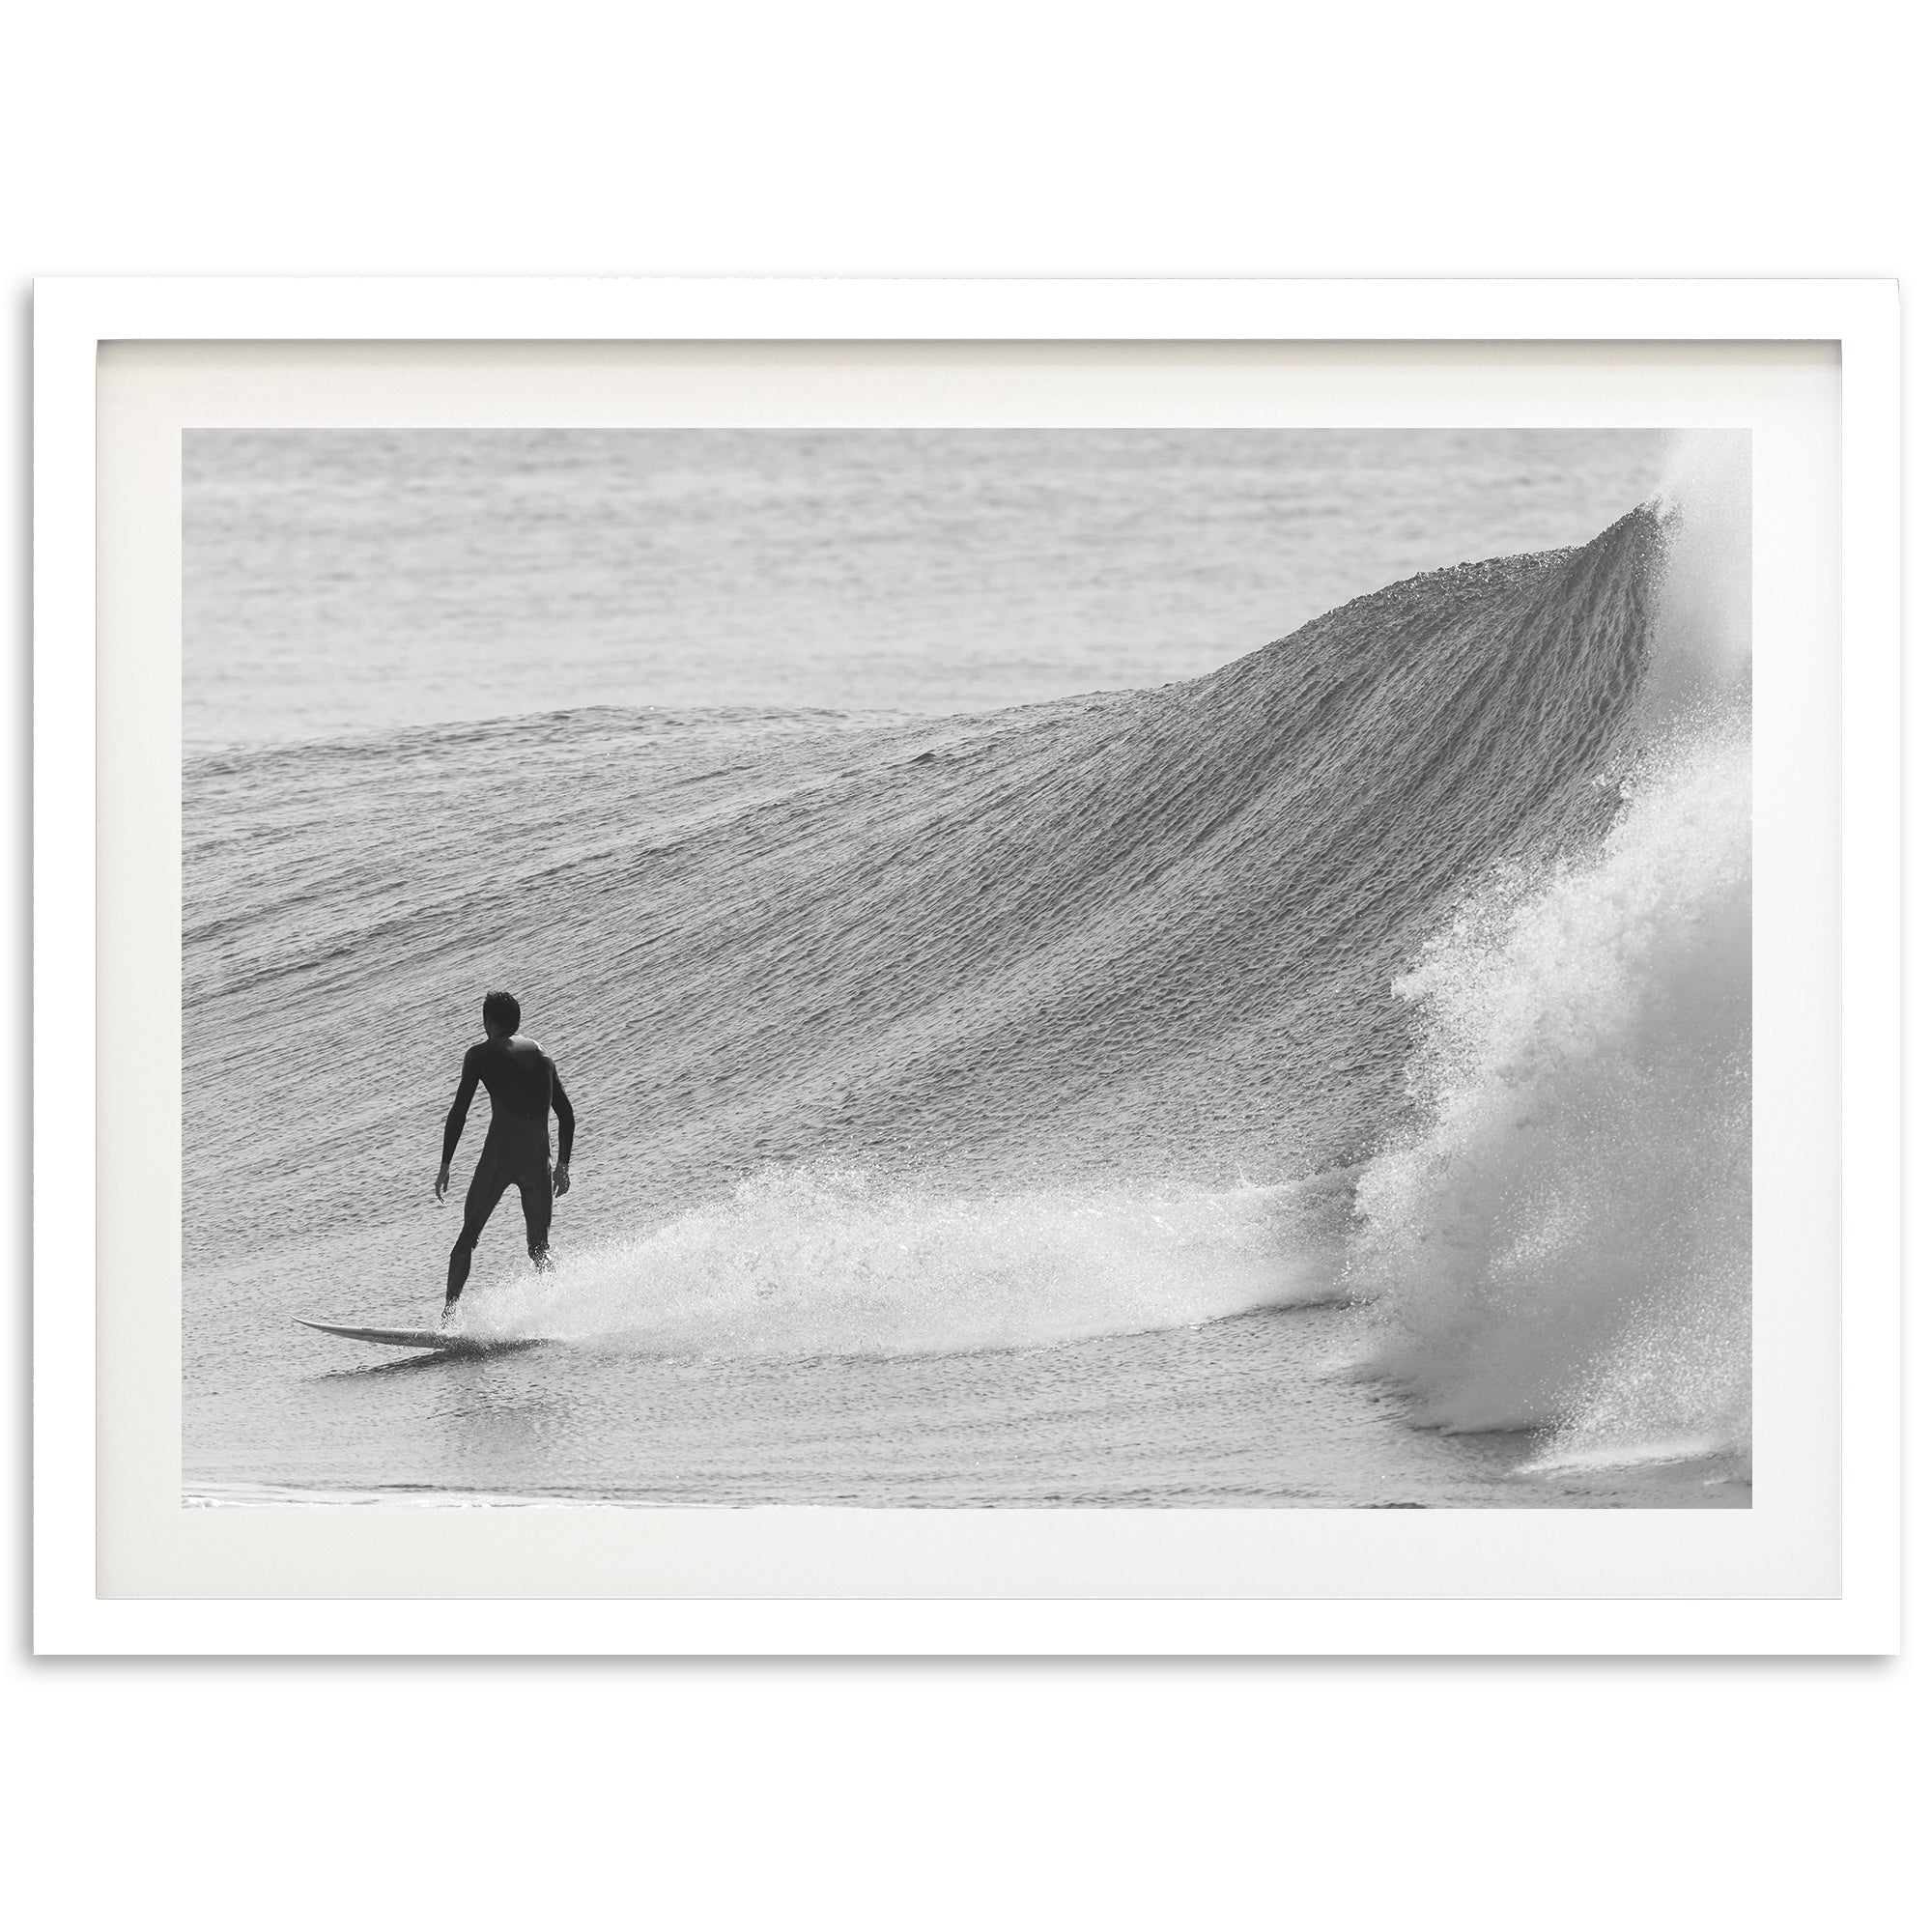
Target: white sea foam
<point>808,1261</point>
<point>1565,1242</point>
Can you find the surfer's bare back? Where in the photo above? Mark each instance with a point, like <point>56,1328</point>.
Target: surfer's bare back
<point>522,1082</point>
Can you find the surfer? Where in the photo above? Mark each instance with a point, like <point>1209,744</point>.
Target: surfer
<point>522,1082</point>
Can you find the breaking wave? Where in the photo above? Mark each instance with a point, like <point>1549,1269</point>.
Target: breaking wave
<point>1564,1240</point>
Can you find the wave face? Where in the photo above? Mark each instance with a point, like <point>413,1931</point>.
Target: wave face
<point>1107,980</point>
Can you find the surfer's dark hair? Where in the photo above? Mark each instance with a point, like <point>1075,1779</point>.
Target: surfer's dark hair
<point>501,1009</point>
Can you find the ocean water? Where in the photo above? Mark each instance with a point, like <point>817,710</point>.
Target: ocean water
<point>1035,1039</point>
<point>349,580</point>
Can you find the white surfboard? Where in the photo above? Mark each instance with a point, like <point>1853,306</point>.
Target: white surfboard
<point>440,1340</point>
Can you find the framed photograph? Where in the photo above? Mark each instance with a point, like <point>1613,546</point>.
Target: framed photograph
<point>979,967</point>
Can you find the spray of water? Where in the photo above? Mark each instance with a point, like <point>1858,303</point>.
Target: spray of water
<point>804,1262</point>
<point>1564,1241</point>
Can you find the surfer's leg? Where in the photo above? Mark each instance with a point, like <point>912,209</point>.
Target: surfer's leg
<point>459,1264</point>
<point>534,1185</point>
<point>460,1257</point>
<point>486,1189</point>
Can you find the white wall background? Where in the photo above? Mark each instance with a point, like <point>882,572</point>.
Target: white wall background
<point>1685,138</point>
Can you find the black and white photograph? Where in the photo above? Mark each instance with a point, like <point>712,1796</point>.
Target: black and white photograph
<point>967,967</point>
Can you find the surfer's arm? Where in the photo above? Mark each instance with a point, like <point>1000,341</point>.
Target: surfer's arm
<point>566,1130</point>
<point>458,1113</point>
